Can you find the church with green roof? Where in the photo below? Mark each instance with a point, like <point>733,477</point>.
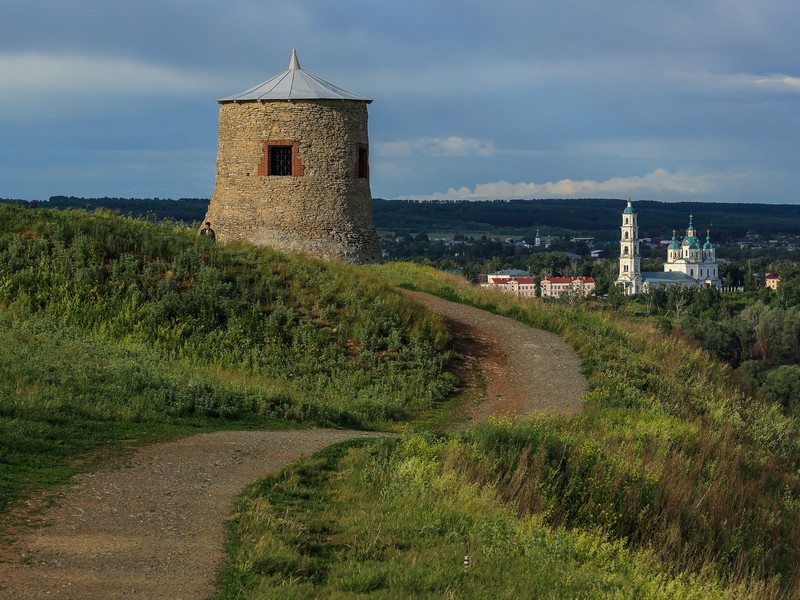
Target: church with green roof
<point>689,263</point>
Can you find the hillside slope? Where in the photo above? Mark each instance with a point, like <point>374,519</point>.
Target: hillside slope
<point>157,525</point>
<point>114,328</point>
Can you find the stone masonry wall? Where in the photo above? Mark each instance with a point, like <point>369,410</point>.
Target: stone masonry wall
<point>323,208</point>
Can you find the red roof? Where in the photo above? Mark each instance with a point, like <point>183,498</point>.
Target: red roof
<point>773,276</point>
<point>507,280</point>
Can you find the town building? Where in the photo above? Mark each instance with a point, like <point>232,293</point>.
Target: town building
<point>510,281</point>
<point>293,169</point>
<point>556,287</point>
<point>689,263</point>
<point>524,287</point>
<point>505,274</point>
<point>772,281</point>
<point>520,283</point>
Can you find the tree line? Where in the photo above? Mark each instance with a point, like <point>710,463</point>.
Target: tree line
<point>598,217</point>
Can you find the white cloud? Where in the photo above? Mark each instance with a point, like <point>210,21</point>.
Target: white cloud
<point>742,81</point>
<point>784,82</point>
<point>448,146</point>
<point>657,181</point>
<point>50,74</point>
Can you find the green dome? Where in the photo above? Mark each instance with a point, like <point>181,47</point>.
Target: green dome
<point>674,245</point>
<point>708,245</point>
<point>628,210</point>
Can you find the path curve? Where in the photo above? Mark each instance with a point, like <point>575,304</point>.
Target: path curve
<point>155,529</point>
<point>526,371</point>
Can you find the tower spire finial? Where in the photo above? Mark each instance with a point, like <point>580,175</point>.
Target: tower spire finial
<point>294,64</point>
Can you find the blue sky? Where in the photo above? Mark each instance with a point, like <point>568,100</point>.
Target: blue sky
<point>662,100</point>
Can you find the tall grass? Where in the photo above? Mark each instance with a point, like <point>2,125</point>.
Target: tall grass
<point>113,328</point>
<point>666,455</point>
<point>391,519</point>
<point>63,396</point>
<point>350,344</point>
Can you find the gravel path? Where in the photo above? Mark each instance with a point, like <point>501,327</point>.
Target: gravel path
<point>525,371</point>
<point>155,529</point>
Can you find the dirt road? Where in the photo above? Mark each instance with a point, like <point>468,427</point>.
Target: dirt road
<point>155,529</point>
<point>525,371</point>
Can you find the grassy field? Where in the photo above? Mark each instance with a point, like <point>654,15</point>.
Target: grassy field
<point>670,483</point>
<point>668,470</point>
<point>384,518</point>
<point>115,329</point>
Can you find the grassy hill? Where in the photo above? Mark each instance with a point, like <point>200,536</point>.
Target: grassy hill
<point>113,328</point>
<point>670,483</point>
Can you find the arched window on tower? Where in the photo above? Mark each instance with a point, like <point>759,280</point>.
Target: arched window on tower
<point>626,235</point>
<point>625,268</point>
<point>625,250</point>
<point>626,220</point>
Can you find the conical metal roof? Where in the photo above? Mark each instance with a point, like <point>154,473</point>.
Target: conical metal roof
<point>294,84</point>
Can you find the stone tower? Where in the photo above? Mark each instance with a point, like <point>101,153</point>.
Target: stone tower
<point>293,169</point>
<point>630,272</point>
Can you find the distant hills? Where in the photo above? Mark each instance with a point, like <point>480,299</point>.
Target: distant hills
<point>597,217</point>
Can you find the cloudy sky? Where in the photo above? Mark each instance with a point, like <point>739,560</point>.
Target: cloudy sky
<point>661,99</point>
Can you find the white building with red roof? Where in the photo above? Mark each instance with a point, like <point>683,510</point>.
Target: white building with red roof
<point>555,287</point>
<point>524,287</point>
<point>772,280</point>
<point>520,283</point>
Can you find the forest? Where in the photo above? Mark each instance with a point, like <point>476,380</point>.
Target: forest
<point>597,217</point>
<point>592,216</point>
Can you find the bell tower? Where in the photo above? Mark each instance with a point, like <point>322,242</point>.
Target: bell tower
<point>630,272</point>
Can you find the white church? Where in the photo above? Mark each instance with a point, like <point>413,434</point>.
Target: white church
<point>689,264</point>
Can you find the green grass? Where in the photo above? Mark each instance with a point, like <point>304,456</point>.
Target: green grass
<point>386,518</point>
<point>667,457</point>
<point>667,453</point>
<point>113,329</point>
<point>64,396</point>
<point>358,351</point>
